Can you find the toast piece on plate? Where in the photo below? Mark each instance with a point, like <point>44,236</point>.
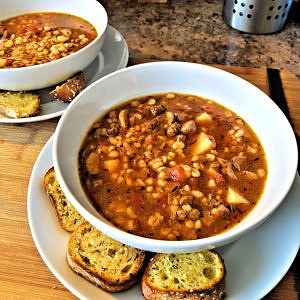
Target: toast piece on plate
<point>19,104</point>
<point>67,91</point>
<point>103,261</point>
<point>68,216</point>
<point>199,275</point>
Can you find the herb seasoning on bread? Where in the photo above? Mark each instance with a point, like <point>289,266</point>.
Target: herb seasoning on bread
<point>103,261</point>
<point>199,275</point>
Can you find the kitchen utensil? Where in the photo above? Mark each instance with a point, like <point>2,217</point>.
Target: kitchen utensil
<point>256,16</point>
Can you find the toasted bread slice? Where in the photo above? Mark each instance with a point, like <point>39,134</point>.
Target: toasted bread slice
<point>199,275</point>
<point>19,104</point>
<point>103,261</point>
<point>68,216</point>
<point>70,89</point>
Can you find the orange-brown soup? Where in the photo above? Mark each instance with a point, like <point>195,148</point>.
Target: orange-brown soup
<point>37,38</point>
<point>172,167</point>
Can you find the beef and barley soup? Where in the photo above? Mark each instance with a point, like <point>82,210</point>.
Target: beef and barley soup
<point>172,167</point>
<point>37,38</point>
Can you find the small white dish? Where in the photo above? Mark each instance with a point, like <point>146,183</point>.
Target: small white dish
<point>251,271</point>
<point>238,95</point>
<point>113,56</point>
<point>51,73</point>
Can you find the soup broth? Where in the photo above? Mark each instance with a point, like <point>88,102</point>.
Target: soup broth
<point>172,167</point>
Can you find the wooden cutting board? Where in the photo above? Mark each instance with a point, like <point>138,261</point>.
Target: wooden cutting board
<point>23,274</point>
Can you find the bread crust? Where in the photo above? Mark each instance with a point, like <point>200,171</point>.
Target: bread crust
<point>106,283</point>
<point>67,91</point>
<point>51,173</point>
<point>150,292</point>
<point>16,112</point>
<point>8,112</point>
<point>99,282</point>
<point>51,197</point>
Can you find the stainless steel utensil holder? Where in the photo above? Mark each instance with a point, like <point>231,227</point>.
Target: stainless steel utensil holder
<point>256,16</point>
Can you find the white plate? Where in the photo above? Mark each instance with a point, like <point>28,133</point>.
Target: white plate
<point>112,57</point>
<point>255,263</point>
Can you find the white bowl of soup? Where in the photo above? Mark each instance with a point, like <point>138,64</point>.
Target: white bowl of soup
<point>174,156</point>
<point>43,43</point>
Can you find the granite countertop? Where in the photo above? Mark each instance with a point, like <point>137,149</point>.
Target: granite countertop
<point>194,30</point>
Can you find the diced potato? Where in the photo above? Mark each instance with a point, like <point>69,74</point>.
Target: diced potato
<point>170,117</point>
<point>233,197</point>
<point>93,163</point>
<point>111,165</point>
<point>203,144</point>
<point>203,117</point>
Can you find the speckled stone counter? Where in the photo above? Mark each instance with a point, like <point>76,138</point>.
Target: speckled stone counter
<point>194,30</point>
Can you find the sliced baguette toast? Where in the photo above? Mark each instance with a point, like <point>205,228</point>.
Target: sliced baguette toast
<point>67,91</point>
<point>103,261</point>
<point>68,216</point>
<point>199,275</point>
<point>19,104</point>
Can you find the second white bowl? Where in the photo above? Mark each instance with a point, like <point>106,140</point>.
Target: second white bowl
<point>51,73</point>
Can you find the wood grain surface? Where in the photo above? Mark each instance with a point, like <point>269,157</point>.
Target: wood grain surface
<point>23,274</point>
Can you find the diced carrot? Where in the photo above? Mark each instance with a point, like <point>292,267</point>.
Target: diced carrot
<point>219,179</point>
<point>176,174</point>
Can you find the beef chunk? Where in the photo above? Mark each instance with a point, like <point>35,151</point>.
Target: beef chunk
<point>173,129</point>
<point>156,110</point>
<point>154,123</point>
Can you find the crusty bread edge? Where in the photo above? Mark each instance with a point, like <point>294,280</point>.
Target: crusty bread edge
<point>215,293</point>
<point>53,201</point>
<point>13,114</point>
<point>79,77</point>
<point>8,112</point>
<point>211,294</point>
<point>79,269</point>
<point>109,286</point>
